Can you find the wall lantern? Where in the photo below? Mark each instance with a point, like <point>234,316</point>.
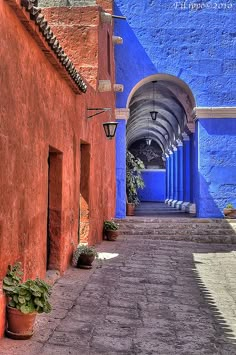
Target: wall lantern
<point>153,113</point>
<point>109,127</point>
<point>148,141</point>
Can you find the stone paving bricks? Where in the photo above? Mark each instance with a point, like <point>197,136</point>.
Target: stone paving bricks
<point>150,297</point>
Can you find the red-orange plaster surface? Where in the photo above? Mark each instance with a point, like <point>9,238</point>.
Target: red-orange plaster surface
<point>39,111</point>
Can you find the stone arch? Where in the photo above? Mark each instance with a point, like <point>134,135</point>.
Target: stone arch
<point>171,98</point>
<point>186,91</point>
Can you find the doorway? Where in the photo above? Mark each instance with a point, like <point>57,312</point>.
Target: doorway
<point>83,229</point>
<point>54,209</point>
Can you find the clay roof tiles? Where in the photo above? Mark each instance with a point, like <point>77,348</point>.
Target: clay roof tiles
<point>41,22</point>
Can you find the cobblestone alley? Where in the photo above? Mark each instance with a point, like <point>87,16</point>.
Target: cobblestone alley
<point>146,296</point>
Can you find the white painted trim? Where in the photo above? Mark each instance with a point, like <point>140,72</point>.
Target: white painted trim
<point>122,113</point>
<point>173,203</point>
<point>179,205</point>
<point>153,170</point>
<point>185,137</point>
<point>118,87</point>
<point>215,112</point>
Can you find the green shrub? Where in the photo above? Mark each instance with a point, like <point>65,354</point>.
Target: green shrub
<point>134,180</point>
<point>29,296</point>
<point>110,225</point>
<point>230,206</point>
<point>83,249</point>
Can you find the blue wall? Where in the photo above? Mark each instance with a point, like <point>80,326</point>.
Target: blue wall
<point>121,169</point>
<point>195,41</point>
<point>155,186</point>
<point>216,165</point>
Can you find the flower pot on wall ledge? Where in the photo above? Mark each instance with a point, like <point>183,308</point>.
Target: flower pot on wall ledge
<point>229,213</point>
<point>130,208</point>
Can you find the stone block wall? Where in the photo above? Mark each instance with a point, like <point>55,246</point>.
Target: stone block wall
<point>62,3</point>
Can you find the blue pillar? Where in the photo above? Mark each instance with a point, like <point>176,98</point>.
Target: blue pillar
<point>187,170</point>
<point>193,168</point>
<point>171,176</point>
<point>180,188</point>
<point>121,169</point>
<point>175,174</point>
<point>167,178</point>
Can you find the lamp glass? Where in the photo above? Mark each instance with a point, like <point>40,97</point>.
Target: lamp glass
<point>154,115</point>
<point>110,129</point>
<point>148,141</point>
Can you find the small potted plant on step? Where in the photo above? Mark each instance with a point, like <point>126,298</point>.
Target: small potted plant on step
<point>26,300</point>
<point>84,256</point>
<point>229,211</point>
<point>134,181</point>
<point>111,230</point>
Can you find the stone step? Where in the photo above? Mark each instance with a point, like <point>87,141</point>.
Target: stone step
<point>168,226</point>
<point>173,231</point>
<point>216,239</point>
<point>176,221</point>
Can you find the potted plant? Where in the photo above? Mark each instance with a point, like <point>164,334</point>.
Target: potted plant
<point>26,300</point>
<point>84,256</point>
<point>111,230</point>
<point>229,211</point>
<point>134,181</point>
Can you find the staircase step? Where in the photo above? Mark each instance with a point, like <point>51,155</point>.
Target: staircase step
<point>217,239</point>
<point>173,231</point>
<point>179,229</point>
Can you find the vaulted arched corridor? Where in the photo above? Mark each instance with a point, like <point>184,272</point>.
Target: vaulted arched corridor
<point>160,132</point>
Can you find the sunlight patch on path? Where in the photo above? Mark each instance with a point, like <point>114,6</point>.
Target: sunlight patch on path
<point>216,273</point>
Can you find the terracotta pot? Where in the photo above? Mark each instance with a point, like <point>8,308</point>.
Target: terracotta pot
<point>130,207</point>
<point>111,235</point>
<point>20,325</point>
<point>229,212</point>
<point>85,261</point>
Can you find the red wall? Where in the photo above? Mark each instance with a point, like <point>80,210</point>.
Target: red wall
<point>39,110</point>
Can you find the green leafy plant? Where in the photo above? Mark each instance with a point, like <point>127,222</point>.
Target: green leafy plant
<point>230,206</point>
<point>83,249</point>
<point>134,180</point>
<point>110,225</point>
<point>29,296</point>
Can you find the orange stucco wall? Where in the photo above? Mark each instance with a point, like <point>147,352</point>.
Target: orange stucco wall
<point>39,110</point>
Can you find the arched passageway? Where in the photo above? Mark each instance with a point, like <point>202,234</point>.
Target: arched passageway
<point>160,131</point>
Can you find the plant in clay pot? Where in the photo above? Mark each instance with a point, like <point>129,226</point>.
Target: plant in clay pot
<point>26,300</point>
<point>111,230</point>
<point>84,256</point>
<point>229,211</point>
<point>134,181</point>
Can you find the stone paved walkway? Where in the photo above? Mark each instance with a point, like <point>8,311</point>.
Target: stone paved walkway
<point>149,297</point>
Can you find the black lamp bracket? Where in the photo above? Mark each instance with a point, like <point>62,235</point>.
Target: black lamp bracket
<point>100,110</point>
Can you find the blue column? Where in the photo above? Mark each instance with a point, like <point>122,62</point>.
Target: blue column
<point>171,176</point>
<point>175,174</point>
<point>180,173</point>
<point>167,177</point>
<point>193,168</point>
<point>187,171</point>
<point>121,169</point>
